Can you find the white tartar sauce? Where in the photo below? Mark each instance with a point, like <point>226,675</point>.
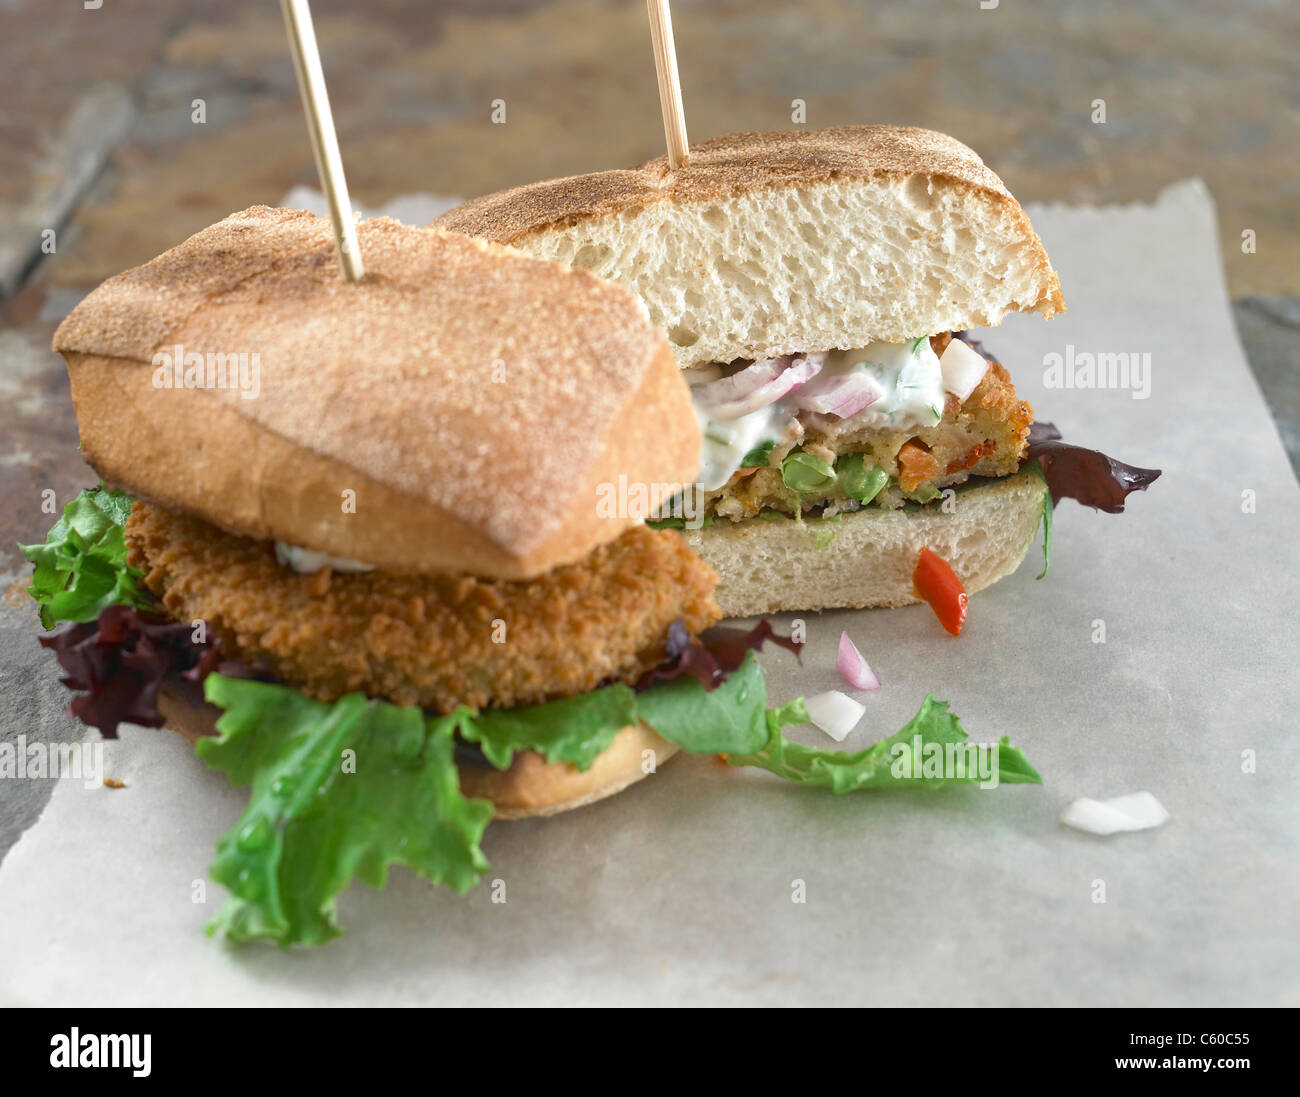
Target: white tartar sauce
<point>308,562</point>
<point>909,383</point>
<point>727,442</point>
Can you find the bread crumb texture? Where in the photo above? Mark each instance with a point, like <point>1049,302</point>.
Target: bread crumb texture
<point>432,641</point>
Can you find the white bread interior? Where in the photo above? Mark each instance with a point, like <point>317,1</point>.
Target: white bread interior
<point>774,566</point>
<point>769,244</point>
<point>835,264</point>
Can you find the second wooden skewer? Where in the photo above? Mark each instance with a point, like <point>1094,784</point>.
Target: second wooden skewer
<point>670,87</point>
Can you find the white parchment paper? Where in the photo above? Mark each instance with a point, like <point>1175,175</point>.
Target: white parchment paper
<point>681,890</point>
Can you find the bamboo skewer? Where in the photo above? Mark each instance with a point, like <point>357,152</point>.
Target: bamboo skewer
<point>324,141</point>
<point>670,88</point>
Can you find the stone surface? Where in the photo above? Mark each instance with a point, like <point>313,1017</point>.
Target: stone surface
<point>38,452</point>
<point>69,75</point>
<point>1190,89</point>
<point>1269,328</point>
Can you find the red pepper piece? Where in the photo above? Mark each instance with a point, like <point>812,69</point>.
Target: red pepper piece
<point>935,582</point>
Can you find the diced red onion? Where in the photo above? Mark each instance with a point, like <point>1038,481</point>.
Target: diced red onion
<point>963,368</point>
<point>816,361</point>
<point>853,667</point>
<point>757,385</point>
<point>835,713</point>
<point>843,395</point>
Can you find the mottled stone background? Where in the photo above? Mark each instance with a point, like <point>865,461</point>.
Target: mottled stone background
<point>97,143</point>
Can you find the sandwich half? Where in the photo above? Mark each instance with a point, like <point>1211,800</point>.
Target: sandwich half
<point>817,287</point>
<point>379,488</point>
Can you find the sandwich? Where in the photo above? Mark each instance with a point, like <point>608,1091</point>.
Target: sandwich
<point>818,288</point>
<point>356,542</point>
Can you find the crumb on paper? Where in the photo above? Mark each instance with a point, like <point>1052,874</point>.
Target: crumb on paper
<point>113,782</point>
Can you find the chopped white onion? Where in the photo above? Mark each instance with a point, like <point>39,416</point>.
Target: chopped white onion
<point>963,368</point>
<point>757,385</point>
<point>853,667</point>
<point>843,395</point>
<point>835,713</point>
<point>1134,811</point>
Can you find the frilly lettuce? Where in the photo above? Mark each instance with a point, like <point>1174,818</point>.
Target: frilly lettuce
<point>342,791</point>
<point>338,791</point>
<point>81,568</point>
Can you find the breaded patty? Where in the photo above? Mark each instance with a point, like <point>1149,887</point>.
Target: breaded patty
<point>985,435</point>
<point>429,640</point>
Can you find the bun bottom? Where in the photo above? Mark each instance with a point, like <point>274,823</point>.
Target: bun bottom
<point>530,787</point>
<point>771,567</point>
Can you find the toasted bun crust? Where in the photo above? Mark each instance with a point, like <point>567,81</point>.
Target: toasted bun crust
<point>472,399</point>
<point>530,787</point>
<point>770,567</point>
<point>776,243</point>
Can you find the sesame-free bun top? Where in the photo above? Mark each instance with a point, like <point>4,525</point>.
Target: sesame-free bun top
<point>778,243</point>
<point>463,408</point>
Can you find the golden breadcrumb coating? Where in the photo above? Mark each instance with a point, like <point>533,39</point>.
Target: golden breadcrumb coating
<point>985,435</point>
<point>436,641</point>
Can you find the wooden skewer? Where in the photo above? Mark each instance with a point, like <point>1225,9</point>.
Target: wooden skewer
<point>670,88</point>
<point>324,141</point>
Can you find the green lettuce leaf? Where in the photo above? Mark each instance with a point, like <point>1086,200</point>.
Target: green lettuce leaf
<point>734,720</point>
<point>896,762</point>
<point>575,730</point>
<point>338,791</point>
<point>672,522</point>
<point>1047,518</point>
<point>729,718</point>
<point>341,791</point>
<point>81,568</point>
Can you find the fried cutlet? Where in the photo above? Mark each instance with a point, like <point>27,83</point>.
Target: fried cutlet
<point>436,641</point>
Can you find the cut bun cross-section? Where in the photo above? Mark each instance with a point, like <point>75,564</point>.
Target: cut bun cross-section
<point>781,243</point>
<point>812,284</point>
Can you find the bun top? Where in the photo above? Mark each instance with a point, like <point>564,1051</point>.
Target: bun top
<point>462,408</point>
<point>784,243</point>
<point>720,168</point>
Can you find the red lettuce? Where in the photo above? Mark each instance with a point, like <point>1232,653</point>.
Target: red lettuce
<point>1073,472</point>
<point>710,657</point>
<point>117,663</point>
<point>1076,472</point>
